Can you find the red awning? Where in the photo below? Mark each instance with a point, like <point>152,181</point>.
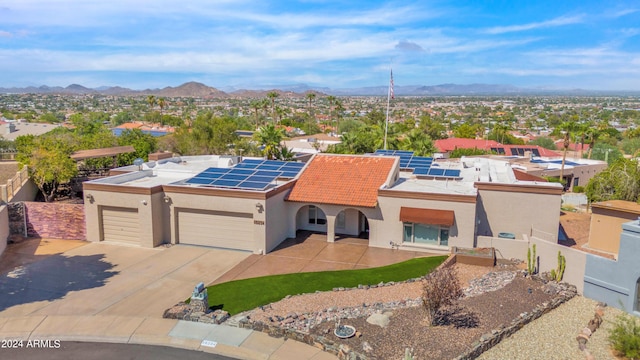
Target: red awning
<point>427,216</point>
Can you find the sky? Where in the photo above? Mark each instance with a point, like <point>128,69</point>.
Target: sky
<point>140,44</point>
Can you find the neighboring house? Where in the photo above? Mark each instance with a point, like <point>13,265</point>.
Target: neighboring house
<point>10,130</point>
<point>224,201</point>
<point>607,218</point>
<point>155,130</point>
<point>577,172</point>
<point>617,282</point>
<point>445,146</point>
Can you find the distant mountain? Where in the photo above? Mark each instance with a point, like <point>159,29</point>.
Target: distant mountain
<point>196,89</point>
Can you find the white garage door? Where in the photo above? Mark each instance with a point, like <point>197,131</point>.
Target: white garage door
<point>216,228</point>
<point>121,225</point>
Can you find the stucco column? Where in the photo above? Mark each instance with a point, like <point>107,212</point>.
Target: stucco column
<point>331,228</point>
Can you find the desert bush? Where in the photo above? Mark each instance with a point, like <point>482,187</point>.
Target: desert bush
<point>578,189</point>
<point>441,288</point>
<point>625,336</point>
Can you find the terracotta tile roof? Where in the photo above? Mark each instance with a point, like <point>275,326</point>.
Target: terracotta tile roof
<point>130,126</point>
<point>351,180</point>
<point>450,144</point>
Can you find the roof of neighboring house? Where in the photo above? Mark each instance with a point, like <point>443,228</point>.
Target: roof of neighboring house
<point>130,126</point>
<point>104,152</point>
<point>450,144</point>
<point>523,176</point>
<point>342,180</point>
<point>618,205</point>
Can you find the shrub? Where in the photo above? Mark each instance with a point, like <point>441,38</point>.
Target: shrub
<point>578,189</point>
<point>625,336</point>
<point>441,288</point>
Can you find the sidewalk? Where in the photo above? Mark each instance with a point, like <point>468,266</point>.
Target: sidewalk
<point>218,339</point>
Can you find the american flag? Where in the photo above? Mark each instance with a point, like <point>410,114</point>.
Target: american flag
<point>391,85</point>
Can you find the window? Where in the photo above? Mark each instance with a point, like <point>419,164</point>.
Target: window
<point>426,234</point>
<point>316,216</point>
<point>576,181</point>
<point>340,220</point>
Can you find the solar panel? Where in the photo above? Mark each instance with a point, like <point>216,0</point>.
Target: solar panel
<point>217,170</point>
<point>234,177</point>
<point>241,171</point>
<point>254,185</point>
<point>421,171</point>
<point>436,172</point>
<point>245,166</point>
<point>289,174</point>
<point>252,161</point>
<point>199,181</point>
<point>226,183</point>
<point>267,173</point>
<point>452,173</point>
<point>256,178</point>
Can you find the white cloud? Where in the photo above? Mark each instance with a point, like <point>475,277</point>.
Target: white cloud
<point>559,21</point>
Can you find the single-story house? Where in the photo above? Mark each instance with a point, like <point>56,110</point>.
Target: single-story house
<point>393,200</point>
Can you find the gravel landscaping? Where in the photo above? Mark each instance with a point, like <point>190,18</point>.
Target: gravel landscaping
<point>494,298</point>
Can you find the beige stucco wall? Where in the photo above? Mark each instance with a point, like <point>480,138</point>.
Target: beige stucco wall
<point>517,213</point>
<point>277,223</point>
<point>4,227</point>
<point>584,173</point>
<point>150,230</point>
<point>390,228</point>
<point>546,254</point>
<point>27,192</point>
<point>219,203</point>
<point>606,227</point>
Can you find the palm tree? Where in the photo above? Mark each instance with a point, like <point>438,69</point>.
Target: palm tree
<point>256,105</point>
<point>340,110</point>
<point>311,97</point>
<point>331,100</point>
<point>270,137</point>
<point>272,95</point>
<point>161,103</point>
<point>151,100</point>
<point>592,134</point>
<point>568,127</point>
<point>418,142</point>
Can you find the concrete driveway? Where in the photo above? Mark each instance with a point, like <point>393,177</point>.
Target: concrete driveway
<point>104,279</point>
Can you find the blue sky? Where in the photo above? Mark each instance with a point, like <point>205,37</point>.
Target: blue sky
<point>252,43</point>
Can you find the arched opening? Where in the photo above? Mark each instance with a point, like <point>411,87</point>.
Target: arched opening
<point>311,218</point>
<point>352,223</point>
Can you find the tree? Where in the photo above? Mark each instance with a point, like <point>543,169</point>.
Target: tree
<point>270,137</point>
<point>465,131</point>
<point>49,162</point>
<point>162,103</point>
<point>331,99</point>
<point>434,129</point>
<point>144,144</point>
<point>272,95</point>
<point>418,142</point>
<point>151,100</point>
<point>545,142</point>
<point>568,128</point>
<point>256,105</point>
<point>620,181</point>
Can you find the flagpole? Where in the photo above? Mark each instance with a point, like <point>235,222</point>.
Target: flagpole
<point>386,123</point>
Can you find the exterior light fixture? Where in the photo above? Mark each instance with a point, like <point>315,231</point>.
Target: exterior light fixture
<point>167,199</point>
<point>89,197</point>
<point>259,207</point>
<point>138,162</point>
<point>143,202</point>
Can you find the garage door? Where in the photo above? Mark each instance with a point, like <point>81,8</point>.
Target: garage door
<point>121,225</point>
<point>216,228</point>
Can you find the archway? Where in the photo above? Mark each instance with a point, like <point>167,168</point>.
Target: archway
<point>352,223</point>
<point>311,218</point>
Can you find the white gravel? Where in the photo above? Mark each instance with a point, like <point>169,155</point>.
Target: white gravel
<point>553,336</point>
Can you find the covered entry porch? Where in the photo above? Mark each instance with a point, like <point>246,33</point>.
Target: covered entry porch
<point>336,222</point>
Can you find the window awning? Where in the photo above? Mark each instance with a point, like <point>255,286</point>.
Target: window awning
<point>427,216</point>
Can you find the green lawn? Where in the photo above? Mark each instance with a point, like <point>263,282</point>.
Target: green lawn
<point>241,295</point>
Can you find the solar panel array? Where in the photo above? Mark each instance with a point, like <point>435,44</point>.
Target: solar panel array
<point>249,174</point>
<point>519,151</point>
<point>420,165</point>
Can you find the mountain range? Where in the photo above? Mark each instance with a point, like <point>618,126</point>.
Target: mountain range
<point>199,90</point>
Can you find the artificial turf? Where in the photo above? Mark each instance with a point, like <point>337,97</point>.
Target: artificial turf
<point>241,295</point>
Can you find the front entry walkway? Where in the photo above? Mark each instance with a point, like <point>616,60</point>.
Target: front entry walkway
<point>310,252</point>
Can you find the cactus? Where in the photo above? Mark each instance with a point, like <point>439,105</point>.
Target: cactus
<point>531,260</point>
<point>559,271</point>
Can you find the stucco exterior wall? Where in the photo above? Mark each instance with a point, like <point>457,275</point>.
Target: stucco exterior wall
<point>218,203</point>
<point>27,192</point>
<point>606,227</point>
<point>277,223</point>
<point>614,282</point>
<point>390,228</point>
<point>4,227</point>
<point>546,254</point>
<point>517,213</point>
<point>142,202</point>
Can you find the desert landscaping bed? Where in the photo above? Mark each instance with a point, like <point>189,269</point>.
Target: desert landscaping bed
<point>496,298</point>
